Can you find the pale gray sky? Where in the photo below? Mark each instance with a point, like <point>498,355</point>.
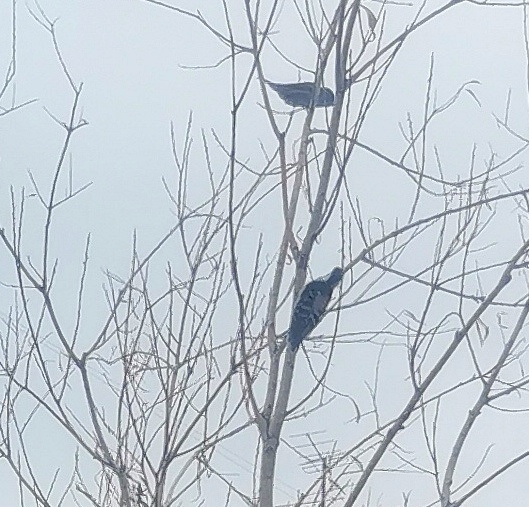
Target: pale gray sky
<point>132,58</point>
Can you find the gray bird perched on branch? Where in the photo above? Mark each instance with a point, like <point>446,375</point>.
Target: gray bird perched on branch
<point>302,94</point>
<point>311,305</point>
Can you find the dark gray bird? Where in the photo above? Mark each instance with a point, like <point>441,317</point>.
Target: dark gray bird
<point>302,94</point>
<point>311,305</point>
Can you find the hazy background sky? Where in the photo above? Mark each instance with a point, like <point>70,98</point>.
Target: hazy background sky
<point>132,58</point>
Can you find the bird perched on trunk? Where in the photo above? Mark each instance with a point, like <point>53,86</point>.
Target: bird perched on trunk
<point>311,305</point>
<point>303,94</point>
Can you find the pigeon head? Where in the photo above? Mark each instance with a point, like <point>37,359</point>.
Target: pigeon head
<point>334,277</point>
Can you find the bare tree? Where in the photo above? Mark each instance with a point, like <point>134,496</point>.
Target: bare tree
<point>193,352</point>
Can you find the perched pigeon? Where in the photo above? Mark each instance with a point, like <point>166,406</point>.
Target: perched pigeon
<point>302,94</point>
<point>311,305</point>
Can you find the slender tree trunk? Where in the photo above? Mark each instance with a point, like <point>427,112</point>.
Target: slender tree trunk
<point>268,465</point>
<point>271,440</point>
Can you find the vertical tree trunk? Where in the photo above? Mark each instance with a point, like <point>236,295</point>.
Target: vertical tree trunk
<point>268,465</point>
<point>270,444</point>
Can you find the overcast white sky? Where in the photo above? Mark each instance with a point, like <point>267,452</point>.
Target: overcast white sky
<point>132,58</point>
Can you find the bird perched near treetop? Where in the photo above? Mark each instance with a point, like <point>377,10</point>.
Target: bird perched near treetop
<point>303,94</point>
<point>311,305</point>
